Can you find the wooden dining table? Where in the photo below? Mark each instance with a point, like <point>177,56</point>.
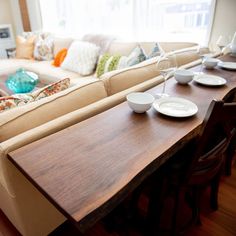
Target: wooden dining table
<point>86,170</point>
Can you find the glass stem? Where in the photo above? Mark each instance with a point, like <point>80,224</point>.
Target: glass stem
<point>164,85</point>
<point>201,67</point>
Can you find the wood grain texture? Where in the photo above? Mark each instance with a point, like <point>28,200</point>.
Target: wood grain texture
<point>87,169</point>
<point>25,15</point>
<point>6,228</point>
<point>214,223</point>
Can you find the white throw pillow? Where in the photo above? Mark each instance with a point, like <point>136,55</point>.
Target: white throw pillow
<point>81,58</point>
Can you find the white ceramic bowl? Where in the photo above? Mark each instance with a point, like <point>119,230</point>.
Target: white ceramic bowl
<point>233,48</point>
<point>140,102</point>
<point>183,76</point>
<point>210,63</point>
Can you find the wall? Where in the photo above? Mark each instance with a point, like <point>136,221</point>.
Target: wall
<point>6,14</point>
<point>225,21</point>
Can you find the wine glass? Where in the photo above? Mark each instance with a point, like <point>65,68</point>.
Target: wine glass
<point>202,52</point>
<point>222,42</point>
<point>167,65</point>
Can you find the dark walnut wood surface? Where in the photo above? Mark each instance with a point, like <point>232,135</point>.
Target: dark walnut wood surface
<point>87,169</point>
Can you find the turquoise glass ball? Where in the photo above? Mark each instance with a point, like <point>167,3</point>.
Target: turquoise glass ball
<point>22,81</point>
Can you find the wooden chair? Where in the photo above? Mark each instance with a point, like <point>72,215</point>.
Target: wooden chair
<point>197,165</point>
<point>231,150</point>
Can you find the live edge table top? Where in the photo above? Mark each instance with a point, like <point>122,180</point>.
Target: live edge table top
<point>87,169</point>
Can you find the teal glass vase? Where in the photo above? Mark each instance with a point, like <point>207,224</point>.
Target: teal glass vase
<point>22,81</point>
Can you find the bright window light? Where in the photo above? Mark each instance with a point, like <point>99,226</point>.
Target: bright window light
<point>149,20</point>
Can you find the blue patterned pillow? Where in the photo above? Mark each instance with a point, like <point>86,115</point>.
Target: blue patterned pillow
<point>156,51</point>
<point>136,56</point>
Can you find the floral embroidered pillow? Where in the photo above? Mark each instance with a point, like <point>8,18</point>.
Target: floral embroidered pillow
<point>51,89</point>
<point>25,97</point>
<point>43,48</point>
<point>7,103</point>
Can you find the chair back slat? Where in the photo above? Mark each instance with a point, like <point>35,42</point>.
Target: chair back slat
<point>216,133</point>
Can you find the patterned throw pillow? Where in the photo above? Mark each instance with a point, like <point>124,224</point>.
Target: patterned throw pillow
<point>156,51</point>
<point>7,103</point>
<point>108,62</point>
<point>28,34</point>
<point>51,89</point>
<point>81,58</point>
<point>24,97</point>
<point>59,58</point>
<point>136,56</point>
<point>43,49</point>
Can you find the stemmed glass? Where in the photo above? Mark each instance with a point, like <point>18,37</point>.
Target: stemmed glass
<point>202,54</point>
<point>167,65</point>
<point>222,42</point>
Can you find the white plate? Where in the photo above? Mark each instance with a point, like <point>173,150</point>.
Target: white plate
<point>227,65</point>
<point>210,80</point>
<point>175,107</point>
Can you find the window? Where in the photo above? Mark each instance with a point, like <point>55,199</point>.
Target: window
<point>150,20</point>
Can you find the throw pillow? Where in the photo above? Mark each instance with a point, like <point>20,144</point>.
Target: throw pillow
<point>27,34</point>
<point>24,47</point>
<point>108,63</point>
<point>51,89</point>
<point>9,102</point>
<point>81,58</point>
<point>43,49</point>
<point>156,51</point>
<point>136,56</point>
<point>59,58</point>
<point>24,97</point>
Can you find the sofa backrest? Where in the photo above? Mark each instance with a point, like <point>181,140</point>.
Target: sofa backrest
<point>124,48</point>
<point>21,119</point>
<point>119,80</point>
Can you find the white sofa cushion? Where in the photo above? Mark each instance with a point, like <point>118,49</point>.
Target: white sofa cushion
<point>9,66</point>
<point>48,73</point>
<point>81,57</point>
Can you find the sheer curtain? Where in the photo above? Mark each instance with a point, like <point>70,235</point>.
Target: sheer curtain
<point>169,20</point>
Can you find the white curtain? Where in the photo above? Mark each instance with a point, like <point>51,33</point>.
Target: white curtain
<point>169,20</point>
<point>34,14</point>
